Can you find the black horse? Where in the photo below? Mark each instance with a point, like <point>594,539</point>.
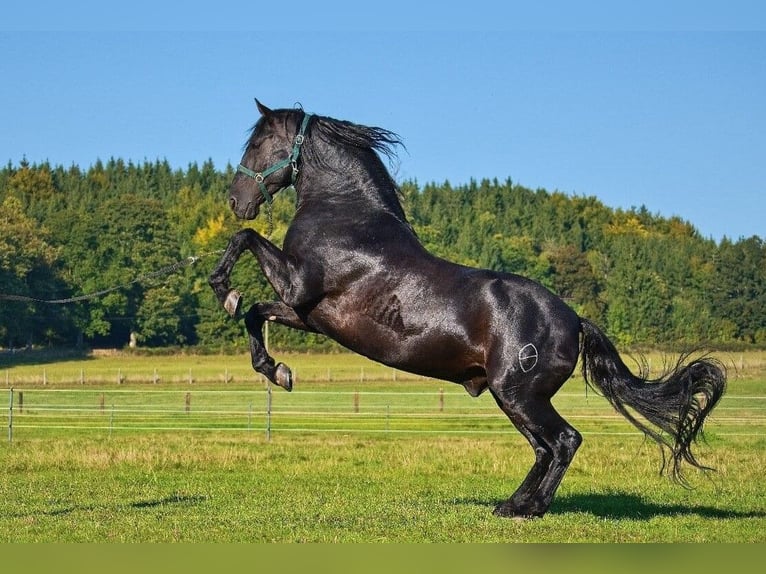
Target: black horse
<point>351,267</point>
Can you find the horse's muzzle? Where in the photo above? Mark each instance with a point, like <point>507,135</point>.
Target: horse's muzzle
<point>249,211</point>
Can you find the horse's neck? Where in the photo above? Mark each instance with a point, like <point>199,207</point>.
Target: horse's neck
<point>355,192</point>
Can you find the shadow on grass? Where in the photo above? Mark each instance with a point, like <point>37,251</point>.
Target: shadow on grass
<point>42,356</point>
<point>621,506</point>
<point>632,507</point>
<point>175,499</point>
<point>168,500</point>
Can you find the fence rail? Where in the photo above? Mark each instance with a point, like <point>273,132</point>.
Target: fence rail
<point>172,375</point>
<point>38,411</point>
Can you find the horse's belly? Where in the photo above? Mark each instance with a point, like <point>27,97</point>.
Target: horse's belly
<point>387,332</point>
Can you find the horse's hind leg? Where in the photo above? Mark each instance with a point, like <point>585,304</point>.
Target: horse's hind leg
<point>263,363</point>
<point>554,442</point>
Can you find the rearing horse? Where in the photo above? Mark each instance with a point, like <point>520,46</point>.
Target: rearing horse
<point>351,267</point>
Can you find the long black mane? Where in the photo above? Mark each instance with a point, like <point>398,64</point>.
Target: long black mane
<point>368,143</point>
<point>344,133</point>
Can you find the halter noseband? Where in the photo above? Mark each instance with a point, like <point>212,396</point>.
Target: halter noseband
<point>292,160</point>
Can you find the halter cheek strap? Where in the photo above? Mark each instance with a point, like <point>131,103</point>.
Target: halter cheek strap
<point>292,160</point>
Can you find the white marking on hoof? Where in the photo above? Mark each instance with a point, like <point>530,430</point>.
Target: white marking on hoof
<point>284,377</point>
<point>233,303</point>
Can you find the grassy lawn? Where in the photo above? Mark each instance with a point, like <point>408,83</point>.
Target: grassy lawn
<point>367,456</point>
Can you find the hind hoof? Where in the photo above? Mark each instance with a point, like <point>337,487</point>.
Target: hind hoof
<point>284,377</point>
<point>507,510</point>
<point>233,303</point>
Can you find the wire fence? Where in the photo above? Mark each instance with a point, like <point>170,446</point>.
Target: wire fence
<point>35,412</point>
<point>169,373</point>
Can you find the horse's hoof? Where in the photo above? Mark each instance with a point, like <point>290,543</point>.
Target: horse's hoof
<point>506,510</point>
<point>284,377</point>
<point>233,303</point>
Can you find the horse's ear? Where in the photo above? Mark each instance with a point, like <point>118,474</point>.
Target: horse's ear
<point>261,108</point>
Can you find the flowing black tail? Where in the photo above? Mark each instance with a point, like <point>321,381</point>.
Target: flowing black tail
<point>677,403</point>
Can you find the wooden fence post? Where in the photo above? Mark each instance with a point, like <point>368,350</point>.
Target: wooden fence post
<point>10,417</point>
<point>268,411</point>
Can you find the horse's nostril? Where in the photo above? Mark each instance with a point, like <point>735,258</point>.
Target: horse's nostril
<point>233,203</point>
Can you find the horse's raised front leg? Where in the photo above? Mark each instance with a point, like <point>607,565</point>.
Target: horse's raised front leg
<point>229,298</point>
<point>278,312</point>
<point>291,282</point>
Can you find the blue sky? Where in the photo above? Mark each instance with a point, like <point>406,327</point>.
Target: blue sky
<point>673,120</point>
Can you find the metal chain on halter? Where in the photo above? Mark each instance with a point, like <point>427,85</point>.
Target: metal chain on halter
<point>269,219</point>
<point>167,270</point>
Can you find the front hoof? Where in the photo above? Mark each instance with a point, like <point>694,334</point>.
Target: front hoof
<point>284,377</point>
<point>233,303</point>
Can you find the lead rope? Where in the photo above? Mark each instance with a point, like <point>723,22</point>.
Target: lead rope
<point>167,270</point>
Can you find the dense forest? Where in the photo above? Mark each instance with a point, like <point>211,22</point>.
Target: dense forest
<point>142,239</point>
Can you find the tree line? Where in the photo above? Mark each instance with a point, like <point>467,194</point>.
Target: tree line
<point>142,239</point>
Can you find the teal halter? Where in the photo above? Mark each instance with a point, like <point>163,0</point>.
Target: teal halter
<point>292,160</point>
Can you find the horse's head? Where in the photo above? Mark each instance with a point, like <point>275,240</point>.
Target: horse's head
<point>270,161</point>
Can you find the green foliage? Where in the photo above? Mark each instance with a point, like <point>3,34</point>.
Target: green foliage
<point>71,232</point>
<point>739,289</point>
<point>27,267</point>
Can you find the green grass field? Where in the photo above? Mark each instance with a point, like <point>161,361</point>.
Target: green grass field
<point>178,450</point>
